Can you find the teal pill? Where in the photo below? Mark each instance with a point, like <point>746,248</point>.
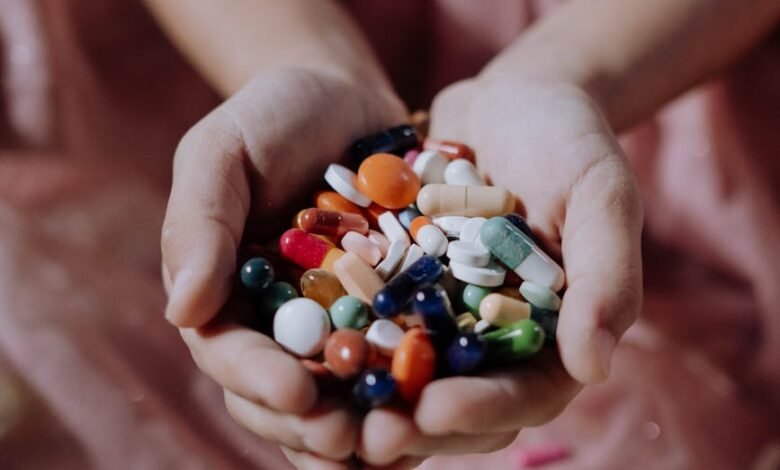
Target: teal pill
<point>505,241</point>
<point>349,312</point>
<point>274,296</point>
<point>540,296</point>
<point>472,296</point>
<point>516,341</point>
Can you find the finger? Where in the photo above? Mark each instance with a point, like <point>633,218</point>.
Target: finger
<point>503,401</point>
<point>308,461</point>
<point>209,203</point>
<point>388,435</point>
<point>404,463</point>
<point>602,255</point>
<point>329,429</point>
<point>252,365</point>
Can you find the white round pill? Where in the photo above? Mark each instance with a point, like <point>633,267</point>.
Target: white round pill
<point>451,225</point>
<point>540,296</point>
<point>342,180</point>
<point>385,335</point>
<point>430,166</point>
<point>468,253</point>
<point>462,172</point>
<point>301,326</point>
<point>489,276</point>
<point>431,240</point>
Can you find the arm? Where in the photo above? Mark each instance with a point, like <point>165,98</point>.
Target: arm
<point>634,56</point>
<point>231,42</point>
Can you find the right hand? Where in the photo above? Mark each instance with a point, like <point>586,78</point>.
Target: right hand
<point>238,173</point>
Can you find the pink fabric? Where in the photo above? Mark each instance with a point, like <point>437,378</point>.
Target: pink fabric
<point>94,100</point>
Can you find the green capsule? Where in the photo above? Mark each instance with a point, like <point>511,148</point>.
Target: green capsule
<point>505,241</point>
<point>274,296</point>
<point>349,312</point>
<point>472,296</point>
<point>516,341</point>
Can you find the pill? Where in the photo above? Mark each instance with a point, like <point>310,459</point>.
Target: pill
<point>467,253</point>
<point>414,364</point>
<point>256,275</point>
<point>451,225</point>
<point>428,236</point>
<point>392,229</point>
<point>375,387</point>
<point>385,336</point>
<point>321,286</point>
<point>462,172</point>
<point>410,156</point>
<point>396,140</point>
<point>392,260</point>
<point>348,312</point>
<point>466,353</point>
<point>301,326</point>
<point>388,181</point>
<point>430,166</point>
<point>353,242</point>
<point>407,215</point>
<point>491,275</point>
<point>413,253</point>
<point>372,213</point>
<point>518,221</point>
<point>274,297</point>
<point>540,296</point>
<point>347,353</point>
<point>501,310</point>
<point>333,201</point>
<point>332,223</point>
<point>510,245</point>
<point>449,149</point>
<point>433,305</point>
<point>548,320</point>
<point>510,291</point>
<point>478,201</point>
<point>473,295</point>
<point>357,277</point>
<point>482,327</point>
<point>308,251</point>
<point>516,341</point>
<point>470,230</point>
<point>397,293</point>
<point>466,321</point>
<point>343,181</point>
<point>378,239</point>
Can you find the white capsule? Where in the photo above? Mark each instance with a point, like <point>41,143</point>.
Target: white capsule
<point>489,276</point>
<point>301,326</point>
<point>413,253</point>
<point>462,172</point>
<point>541,269</point>
<point>342,180</point>
<point>540,296</point>
<point>451,225</point>
<point>385,335</point>
<point>468,253</point>
<point>431,240</point>
<point>430,166</point>
<point>392,228</point>
<point>393,258</point>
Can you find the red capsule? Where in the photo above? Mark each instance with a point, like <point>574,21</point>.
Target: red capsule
<point>308,251</point>
<point>449,149</point>
<point>332,223</point>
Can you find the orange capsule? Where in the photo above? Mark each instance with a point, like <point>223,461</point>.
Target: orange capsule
<point>414,364</point>
<point>449,149</point>
<point>333,201</point>
<point>332,223</point>
<point>388,181</point>
<point>418,223</point>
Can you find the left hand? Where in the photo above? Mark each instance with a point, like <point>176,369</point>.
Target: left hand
<point>549,144</point>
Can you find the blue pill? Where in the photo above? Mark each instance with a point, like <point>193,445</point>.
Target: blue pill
<point>374,388</point>
<point>547,319</point>
<point>256,275</point>
<point>407,215</point>
<point>396,140</point>
<point>433,305</point>
<point>466,353</point>
<point>397,293</point>
<point>518,221</point>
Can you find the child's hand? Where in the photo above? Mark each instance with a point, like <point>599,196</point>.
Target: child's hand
<point>236,175</point>
<point>551,147</point>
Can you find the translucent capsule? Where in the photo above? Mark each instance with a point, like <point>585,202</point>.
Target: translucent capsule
<point>501,310</point>
<point>430,166</point>
<point>321,286</point>
<point>414,364</point>
<point>428,236</point>
<point>374,388</point>
<point>510,245</point>
<point>397,293</point>
<point>333,201</point>
<point>451,150</point>
<point>308,251</point>
<point>301,326</point>
<point>357,277</point>
<point>466,353</point>
<point>356,243</point>
<point>462,172</point>
<point>332,223</point>
<point>396,140</point>
<point>516,341</point>
<point>388,181</point>
<point>482,201</point>
<point>433,305</point>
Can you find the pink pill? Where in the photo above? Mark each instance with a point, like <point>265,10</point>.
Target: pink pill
<point>542,454</point>
<point>356,243</point>
<point>380,240</point>
<point>410,156</point>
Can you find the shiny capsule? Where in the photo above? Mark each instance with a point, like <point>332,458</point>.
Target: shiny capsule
<point>321,286</point>
<point>397,293</point>
<point>332,223</point>
<point>308,251</point>
<point>473,201</point>
<point>433,305</point>
<point>516,341</point>
<point>428,236</point>
<point>414,364</point>
<point>333,201</point>
<point>500,310</point>
<point>396,140</point>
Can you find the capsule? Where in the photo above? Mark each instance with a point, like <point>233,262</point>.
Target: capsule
<point>518,221</point>
<point>332,223</point>
<point>333,201</point>
<point>407,215</point>
<point>428,236</point>
<point>516,341</point>
<point>397,293</point>
<point>500,310</point>
<point>510,245</point>
<point>474,201</point>
<point>433,305</point>
<point>466,353</point>
<point>396,140</point>
<point>308,251</point>
<point>414,364</point>
<point>450,149</point>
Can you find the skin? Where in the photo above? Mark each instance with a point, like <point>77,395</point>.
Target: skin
<point>547,105</point>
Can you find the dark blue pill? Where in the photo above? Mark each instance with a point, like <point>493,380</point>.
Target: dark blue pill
<point>374,388</point>
<point>256,275</point>
<point>433,305</point>
<point>397,293</point>
<point>466,353</point>
<point>519,222</point>
<point>547,319</point>
<point>396,140</point>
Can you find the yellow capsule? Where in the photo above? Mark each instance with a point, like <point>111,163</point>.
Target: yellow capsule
<point>472,201</point>
<point>500,310</point>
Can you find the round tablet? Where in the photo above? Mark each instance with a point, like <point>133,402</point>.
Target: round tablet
<point>342,180</point>
<point>301,326</point>
<point>385,335</point>
<point>489,276</point>
<point>388,181</point>
<point>468,253</point>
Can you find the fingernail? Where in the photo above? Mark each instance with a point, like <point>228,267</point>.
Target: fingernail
<point>179,284</point>
<point>604,343</point>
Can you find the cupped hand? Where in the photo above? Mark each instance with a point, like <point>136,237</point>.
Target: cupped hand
<point>549,144</point>
<point>237,175</point>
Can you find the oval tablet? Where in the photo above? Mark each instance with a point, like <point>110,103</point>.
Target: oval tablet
<point>388,181</point>
<point>414,364</point>
<point>468,253</point>
<point>343,181</point>
<point>489,276</point>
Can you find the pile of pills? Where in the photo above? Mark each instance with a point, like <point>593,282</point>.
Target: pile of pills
<point>409,270</point>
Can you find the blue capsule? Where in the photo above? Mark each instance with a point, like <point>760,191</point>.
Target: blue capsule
<point>466,353</point>
<point>374,388</point>
<point>407,215</point>
<point>396,140</point>
<point>518,221</point>
<point>256,275</point>
<point>433,305</point>
<point>397,293</point>
<point>547,319</point>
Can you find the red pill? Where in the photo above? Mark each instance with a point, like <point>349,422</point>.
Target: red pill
<point>449,149</point>
<point>332,223</point>
<point>347,353</point>
<point>308,251</point>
